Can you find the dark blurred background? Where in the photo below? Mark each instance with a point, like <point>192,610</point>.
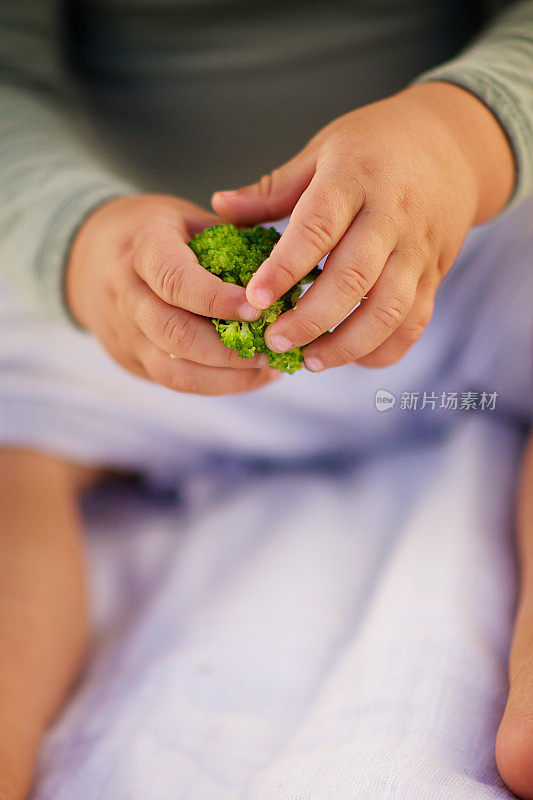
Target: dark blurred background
<point>192,97</point>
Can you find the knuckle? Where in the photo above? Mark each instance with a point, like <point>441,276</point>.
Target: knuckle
<point>210,299</point>
<point>163,273</point>
<point>389,315</point>
<point>371,246</point>
<point>347,186</point>
<point>368,167</point>
<point>389,225</point>
<point>417,251</point>
<point>353,187</point>
<point>405,201</point>
<point>289,274</point>
<point>309,327</point>
<point>316,229</point>
<point>350,283</point>
<point>178,332</point>
<point>168,280</point>
<point>349,179</point>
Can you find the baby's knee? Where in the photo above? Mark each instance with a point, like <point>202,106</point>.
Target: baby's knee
<point>23,469</point>
<point>514,752</point>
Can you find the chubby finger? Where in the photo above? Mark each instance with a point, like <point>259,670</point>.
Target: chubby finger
<point>188,377</point>
<point>272,197</point>
<point>165,262</point>
<point>320,218</point>
<point>350,271</point>
<point>373,322</point>
<point>411,329</point>
<point>183,334</point>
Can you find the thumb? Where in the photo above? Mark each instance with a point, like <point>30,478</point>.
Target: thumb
<point>272,197</point>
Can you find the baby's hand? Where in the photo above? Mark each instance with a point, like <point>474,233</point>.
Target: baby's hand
<point>133,281</point>
<point>390,191</point>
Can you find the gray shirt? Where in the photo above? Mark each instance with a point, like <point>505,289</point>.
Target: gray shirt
<point>106,97</point>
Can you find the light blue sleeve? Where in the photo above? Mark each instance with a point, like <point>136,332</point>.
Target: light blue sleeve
<point>50,180</point>
<point>497,67</point>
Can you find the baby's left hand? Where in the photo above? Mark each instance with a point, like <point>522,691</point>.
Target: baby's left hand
<point>390,191</point>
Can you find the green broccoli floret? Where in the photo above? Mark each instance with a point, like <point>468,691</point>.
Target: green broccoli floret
<point>234,255</point>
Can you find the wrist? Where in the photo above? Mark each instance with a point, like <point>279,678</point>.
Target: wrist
<point>87,246</point>
<point>479,137</point>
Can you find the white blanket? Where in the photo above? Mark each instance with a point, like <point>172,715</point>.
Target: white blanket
<point>301,637</point>
<point>325,609</point>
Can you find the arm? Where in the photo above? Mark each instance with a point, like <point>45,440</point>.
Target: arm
<point>497,67</point>
<point>390,191</point>
<point>49,182</point>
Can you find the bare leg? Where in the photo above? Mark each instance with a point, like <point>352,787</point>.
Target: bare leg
<point>43,619</point>
<point>514,744</point>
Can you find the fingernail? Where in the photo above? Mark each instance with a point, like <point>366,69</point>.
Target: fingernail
<point>313,363</point>
<point>248,312</point>
<point>262,360</point>
<point>261,298</point>
<point>279,343</point>
<point>226,193</point>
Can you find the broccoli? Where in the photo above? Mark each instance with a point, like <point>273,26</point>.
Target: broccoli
<point>234,255</point>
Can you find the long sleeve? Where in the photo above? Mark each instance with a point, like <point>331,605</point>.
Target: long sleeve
<point>497,67</point>
<point>49,180</point>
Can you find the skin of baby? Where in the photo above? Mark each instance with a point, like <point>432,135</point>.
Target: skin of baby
<point>389,190</point>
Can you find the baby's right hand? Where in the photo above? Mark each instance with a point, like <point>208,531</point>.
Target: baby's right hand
<point>133,281</point>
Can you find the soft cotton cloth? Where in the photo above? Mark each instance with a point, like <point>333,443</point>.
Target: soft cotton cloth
<point>324,608</point>
<point>299,636</point>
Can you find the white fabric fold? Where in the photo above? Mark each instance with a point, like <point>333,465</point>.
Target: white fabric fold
<point>301,637</point>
